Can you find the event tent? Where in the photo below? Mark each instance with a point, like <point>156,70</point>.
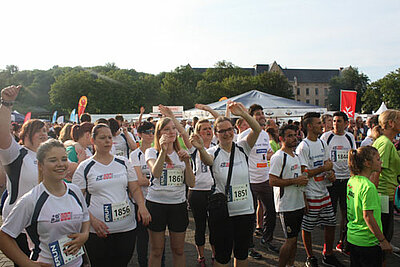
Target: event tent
<point>274,106</point>
<point>381,109</point>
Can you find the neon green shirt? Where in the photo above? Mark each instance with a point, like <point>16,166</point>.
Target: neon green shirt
<point>390,166</point>
<point>362,195</point>
<point>274,145</point>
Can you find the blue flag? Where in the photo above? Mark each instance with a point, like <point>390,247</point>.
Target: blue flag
<point>72,117</point>
<point>54,117</point>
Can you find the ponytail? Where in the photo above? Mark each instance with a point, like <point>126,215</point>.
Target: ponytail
<point>358,156</point>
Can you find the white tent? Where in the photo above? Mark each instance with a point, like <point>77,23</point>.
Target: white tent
<point>274,106</point>
<point>381,109</point>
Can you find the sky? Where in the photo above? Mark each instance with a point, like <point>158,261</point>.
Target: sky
<point>155,36</point>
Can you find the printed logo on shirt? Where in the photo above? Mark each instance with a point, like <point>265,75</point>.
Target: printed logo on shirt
<point>318,163</point>
<point>294,167</point>
<point>105,176</point>
<point>259,151</point>
<point>226,164</point>
<point>60,217</point>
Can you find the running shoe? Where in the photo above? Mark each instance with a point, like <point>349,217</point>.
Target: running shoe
<point>312,262</point>
<point>254,254</point>
<point>201,262</point>
<point>269,246</point>
<point>340,248</point>
<point>330,260</point>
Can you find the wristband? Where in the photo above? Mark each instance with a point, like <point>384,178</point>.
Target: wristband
<point>7,103</point>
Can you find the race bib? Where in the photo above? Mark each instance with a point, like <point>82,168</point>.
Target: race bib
<point>237,193</point>
<point>116,211</point>
<point>340,155</point>
<point>172,177</point>
<point>58,252</point>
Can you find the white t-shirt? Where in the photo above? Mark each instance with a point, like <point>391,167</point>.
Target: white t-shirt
<point>368,141</point>
<point>27,168</point>
<point>57,218</point>
<point>120,146</point>
<point>312,155</point>
<point>241,200</point>
<point>258,162</point>
<point>339,146</point>
<point>137,158</point>
<point>170,188</point>
<point>288,198</point>
<point>204,180</point>
<point>107,186</point>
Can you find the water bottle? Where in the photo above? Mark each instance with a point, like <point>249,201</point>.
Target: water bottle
<point>302,188</point>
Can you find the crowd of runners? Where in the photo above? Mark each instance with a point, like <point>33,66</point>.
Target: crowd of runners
<point>93,193</point>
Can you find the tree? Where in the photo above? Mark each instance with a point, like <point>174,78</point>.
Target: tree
<point>179,86</point>
<point>386,89</point>
<point>349,79</point>
<point>274,83</point>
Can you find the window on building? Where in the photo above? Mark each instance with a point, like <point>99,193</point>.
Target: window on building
<point>316,102</point>
<point>326,102</point>
<point>298,90</point>
<point>326,91</point>
<point>307,91</point>
<point>316,91</point>
<point>308,101</point>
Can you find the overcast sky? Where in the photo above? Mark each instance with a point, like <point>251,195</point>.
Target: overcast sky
<point>155,36</point>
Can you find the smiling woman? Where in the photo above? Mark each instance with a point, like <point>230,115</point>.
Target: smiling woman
<point>53,212</point>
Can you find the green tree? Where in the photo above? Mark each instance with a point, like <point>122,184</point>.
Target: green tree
<point>179,86</point>
<point>386,89</point>
<point>349,79</point>
<point>274,83</point>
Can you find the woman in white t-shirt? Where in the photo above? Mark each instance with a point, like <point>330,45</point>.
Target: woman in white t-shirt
<point>166,198</point>
<point>233,233</point>
<point>53,213</point>
<point>19,160</point>
<point>107,181</point>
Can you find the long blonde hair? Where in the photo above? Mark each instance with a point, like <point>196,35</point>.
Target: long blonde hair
<point>42,151</point>
<point>157,135</point>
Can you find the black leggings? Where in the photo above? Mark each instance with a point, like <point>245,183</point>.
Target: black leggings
<point>114,250</point>
<point>198,201</point>
<point>232,234</point>
<point>365,256</point>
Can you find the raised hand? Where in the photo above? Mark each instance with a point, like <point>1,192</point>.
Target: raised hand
<point>237,108</point>
<point>183,155</point>
<point>196,141</point>
<point>165,111</point>
<point>10,93</point>
<point>164,142</point>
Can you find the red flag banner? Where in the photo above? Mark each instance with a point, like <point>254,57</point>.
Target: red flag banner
<point>27,116</point>
<point>348,101</point>
<point>82,105</point>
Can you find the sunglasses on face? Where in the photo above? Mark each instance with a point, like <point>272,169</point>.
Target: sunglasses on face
<point>148,131</point>
<point>225,130</point>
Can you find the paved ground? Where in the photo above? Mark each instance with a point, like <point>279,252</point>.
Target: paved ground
<point>269,259</point>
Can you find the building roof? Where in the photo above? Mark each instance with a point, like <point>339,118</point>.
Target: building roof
<point>310,75</point>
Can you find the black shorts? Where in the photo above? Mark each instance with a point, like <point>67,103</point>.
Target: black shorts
<point>175,216</point>
<point>291,222</point>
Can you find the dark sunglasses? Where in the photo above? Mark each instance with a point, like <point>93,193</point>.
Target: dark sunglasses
<point>225,130</point>
<point>148,131</point>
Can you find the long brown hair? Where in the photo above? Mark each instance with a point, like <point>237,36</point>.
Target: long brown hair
<point>157,135</point>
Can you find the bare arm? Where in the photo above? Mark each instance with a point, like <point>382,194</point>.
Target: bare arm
<point>143,181</point>
<point>142,212</point>
<point>129,139</point>
<point>326,167</point>
<point>197,142</point>
<point>141,114</point>
<point>239,110</point>
<point>208,109</point>
<point>189,175</point>
<point>12,251</point>
<point>156,165</point>
<point>368,216</point>
<point>9,93</point>
<point>276,181</point>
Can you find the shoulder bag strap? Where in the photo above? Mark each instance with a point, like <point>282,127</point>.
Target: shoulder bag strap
<point>231,159</point>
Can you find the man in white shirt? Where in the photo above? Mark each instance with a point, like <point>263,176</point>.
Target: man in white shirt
<point>259,176</point>
<point>285,176</point>
<point>339,143</point>
<point>314,156</point>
